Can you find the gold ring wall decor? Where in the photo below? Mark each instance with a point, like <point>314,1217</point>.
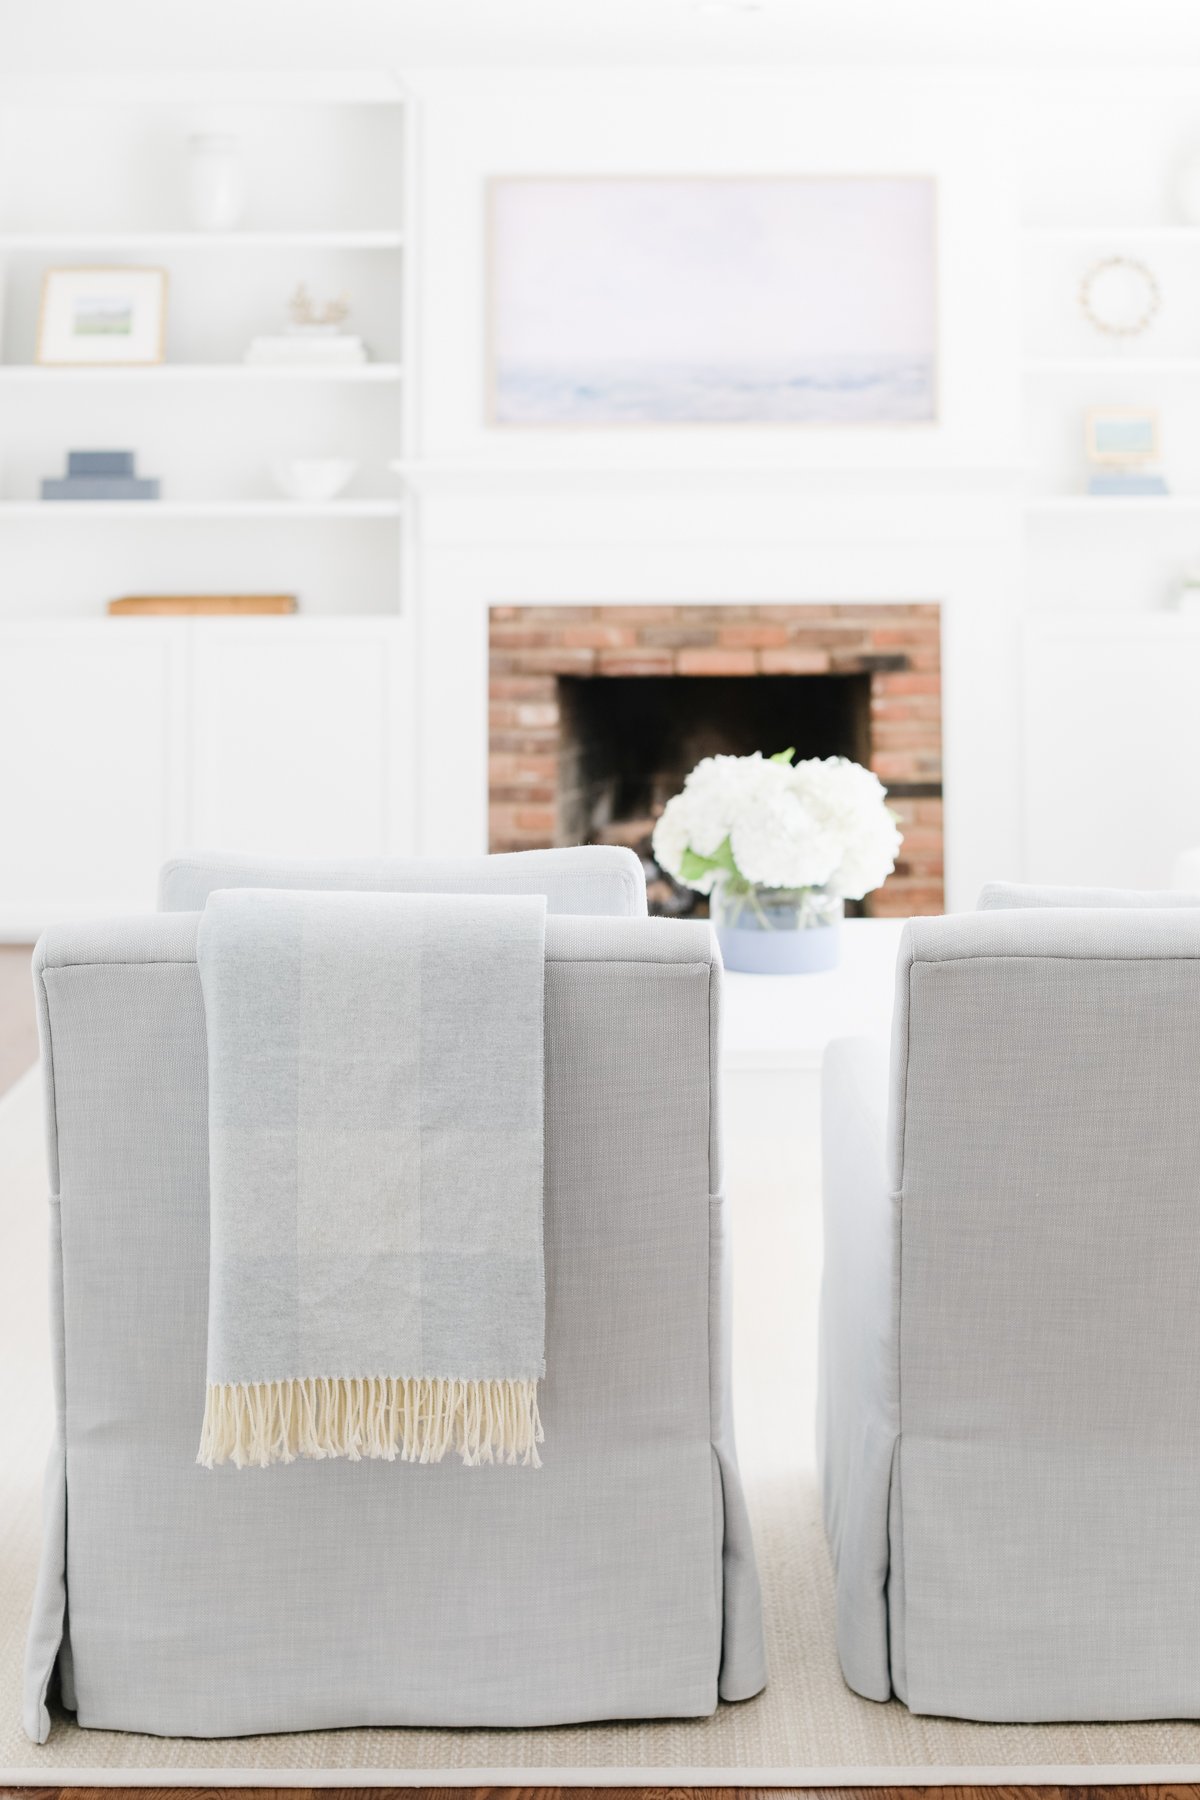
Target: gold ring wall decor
<point>1133,296</point>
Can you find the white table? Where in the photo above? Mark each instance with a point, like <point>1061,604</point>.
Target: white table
<point>776,1028</point>
<point>785,1021</point>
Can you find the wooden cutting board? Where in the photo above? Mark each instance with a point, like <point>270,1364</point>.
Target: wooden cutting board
<point>208,604</point>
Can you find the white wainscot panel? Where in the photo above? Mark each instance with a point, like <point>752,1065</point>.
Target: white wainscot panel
<point>294,736</point>
<point>1112,772</point>
<point>90,754</point>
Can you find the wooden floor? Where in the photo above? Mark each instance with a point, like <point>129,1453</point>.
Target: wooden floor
<point>1132,1792</point>
<point>18,1023</point>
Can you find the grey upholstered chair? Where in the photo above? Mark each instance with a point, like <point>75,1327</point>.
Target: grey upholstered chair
<point>617,1581</point>
<point>1010,1388</point>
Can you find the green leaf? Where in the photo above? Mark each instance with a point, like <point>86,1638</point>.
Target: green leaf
<point>693,866</point>
<point>783,756</point>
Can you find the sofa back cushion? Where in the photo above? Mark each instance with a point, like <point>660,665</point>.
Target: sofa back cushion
<point>999,896</point>
<point>603,880</point>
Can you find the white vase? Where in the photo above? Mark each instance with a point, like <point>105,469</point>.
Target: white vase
<point>776,931</point>
<point>216,181</point>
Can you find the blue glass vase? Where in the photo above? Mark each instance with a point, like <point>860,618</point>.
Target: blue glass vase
<point>777,931</point>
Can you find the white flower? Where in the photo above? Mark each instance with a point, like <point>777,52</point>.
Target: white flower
<point>823,823</point>
<point>851,803</point>
<point>716,790</point>
<point>673,836</point>
<point>776,841</point>
<point>703,816</point>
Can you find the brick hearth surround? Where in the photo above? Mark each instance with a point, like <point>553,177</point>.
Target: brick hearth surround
<point>898,646</point>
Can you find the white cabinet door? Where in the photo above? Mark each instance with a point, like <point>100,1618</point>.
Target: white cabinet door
<point>296,728</point>
<point>124,741</point>
<point>1112,774</point>
<point>90,764</point>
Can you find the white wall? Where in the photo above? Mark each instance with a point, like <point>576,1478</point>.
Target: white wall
<point>1038,779</point>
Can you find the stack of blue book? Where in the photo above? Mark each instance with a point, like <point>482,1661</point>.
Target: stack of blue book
<point>1126,481</point>
<point>100,475</point>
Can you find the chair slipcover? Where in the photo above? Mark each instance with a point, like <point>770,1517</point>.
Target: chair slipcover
<point>1010,1411</point>
<point>617,1581</point>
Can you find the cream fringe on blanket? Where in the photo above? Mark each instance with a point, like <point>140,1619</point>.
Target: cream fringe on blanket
<point>264,1422</point>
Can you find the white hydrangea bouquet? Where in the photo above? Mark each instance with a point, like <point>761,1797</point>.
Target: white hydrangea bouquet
<point>779,845</point>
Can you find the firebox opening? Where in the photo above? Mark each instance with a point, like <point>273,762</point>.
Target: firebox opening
<point>628,741</point>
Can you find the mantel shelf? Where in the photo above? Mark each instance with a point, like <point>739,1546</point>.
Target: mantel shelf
<point>355,372</point>
<point>158,87</point>
<point>201,240</point>
<point>152,511</point>
<point>819,478</point>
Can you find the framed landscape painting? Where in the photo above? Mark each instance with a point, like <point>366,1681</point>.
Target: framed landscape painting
<point>788,300</point>
<point>91,318</point>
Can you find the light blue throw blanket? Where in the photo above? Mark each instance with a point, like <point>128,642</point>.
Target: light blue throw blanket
<point>376,1283</point>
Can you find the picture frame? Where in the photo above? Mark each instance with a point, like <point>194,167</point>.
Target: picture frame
<point>102,317</point>
<point>1121,437</point>
<point>617,300</point>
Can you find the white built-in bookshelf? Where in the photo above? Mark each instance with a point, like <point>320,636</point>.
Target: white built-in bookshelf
<point>1122,554</point>
<point>97,175</point>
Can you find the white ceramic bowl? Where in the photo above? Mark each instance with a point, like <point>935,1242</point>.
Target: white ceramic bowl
<point>312,479</point>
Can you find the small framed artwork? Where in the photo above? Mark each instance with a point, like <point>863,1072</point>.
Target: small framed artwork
<point>669,300</point>
<point>1121,437</point>
<point>102,317</point>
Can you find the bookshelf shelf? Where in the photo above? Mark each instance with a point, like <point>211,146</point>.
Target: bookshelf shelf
<point>21,373</point>
<point>327,171</point>
<point>152,512</point>
<point>1112,365</point>
<point>1112,234</point>
<point>1071,506</point>
<point>86,239</point>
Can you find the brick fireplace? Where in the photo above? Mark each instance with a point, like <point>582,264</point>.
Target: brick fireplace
<point>596,713</point>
